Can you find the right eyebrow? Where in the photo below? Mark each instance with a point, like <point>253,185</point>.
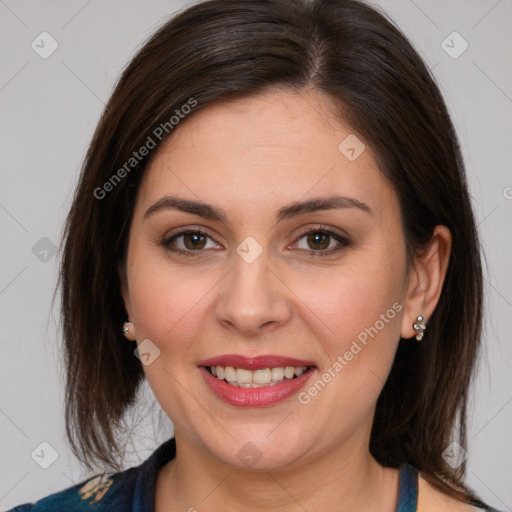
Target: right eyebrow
<point>188,206</point>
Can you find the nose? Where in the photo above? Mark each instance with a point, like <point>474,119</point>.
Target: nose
<point>253,299</point>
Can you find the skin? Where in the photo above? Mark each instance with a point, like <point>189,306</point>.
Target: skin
<point>251,157</point>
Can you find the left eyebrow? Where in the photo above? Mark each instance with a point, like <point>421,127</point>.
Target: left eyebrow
<point>322,203</point>
<point>209,211</point>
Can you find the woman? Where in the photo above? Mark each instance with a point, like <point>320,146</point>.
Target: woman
<point>274,211</point>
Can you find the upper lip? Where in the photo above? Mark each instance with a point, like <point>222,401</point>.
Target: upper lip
<point>254,362</point>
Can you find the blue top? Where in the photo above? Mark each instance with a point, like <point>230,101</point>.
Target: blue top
<point>133,490</point>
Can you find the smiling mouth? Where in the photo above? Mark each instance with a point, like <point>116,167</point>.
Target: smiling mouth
<point>243,378</point>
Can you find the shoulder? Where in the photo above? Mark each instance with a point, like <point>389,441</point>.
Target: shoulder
<point>431,499</point>
<point>124,491</point>
<point>97,493</point>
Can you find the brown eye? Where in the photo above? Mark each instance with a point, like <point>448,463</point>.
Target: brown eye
<point>189,242</point>
<point>193,240</point>
<point>318,240</point>
<point>321,242</point>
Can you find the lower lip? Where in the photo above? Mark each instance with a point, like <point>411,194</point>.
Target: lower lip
<point>255,397</point>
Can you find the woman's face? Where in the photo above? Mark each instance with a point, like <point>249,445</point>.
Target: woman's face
<point>256,285</point>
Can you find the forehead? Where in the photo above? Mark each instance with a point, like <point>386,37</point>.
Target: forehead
<point>258,153</point>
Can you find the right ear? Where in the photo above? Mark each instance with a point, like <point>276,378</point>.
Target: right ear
<point>125,293</point>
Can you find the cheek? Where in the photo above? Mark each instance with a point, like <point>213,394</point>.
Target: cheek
<point>167,309</point>
<point>360,321</point>
<point>354,296</point>
<point>167,302</point>
<point>356,314</point>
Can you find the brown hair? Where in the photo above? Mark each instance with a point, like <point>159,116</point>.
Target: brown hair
<point>219,50</point>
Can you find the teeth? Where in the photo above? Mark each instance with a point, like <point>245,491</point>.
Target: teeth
<point>278,373</point>
<point>261,376</point>
<point>289,372</point>
<point>241,377</point>
<point>230,374</point>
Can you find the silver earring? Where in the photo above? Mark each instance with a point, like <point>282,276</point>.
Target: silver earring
<point>419,327</point>
<point>126,327</point>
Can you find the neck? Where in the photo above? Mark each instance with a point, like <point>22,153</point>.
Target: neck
<point>345,478</point>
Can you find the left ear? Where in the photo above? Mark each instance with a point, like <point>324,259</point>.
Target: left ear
<point>426,278</point>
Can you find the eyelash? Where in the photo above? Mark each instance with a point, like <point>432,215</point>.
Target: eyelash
<point>343,242</point>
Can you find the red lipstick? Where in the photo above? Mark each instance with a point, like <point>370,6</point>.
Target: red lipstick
<point>257,396</point>
<point>254,362</point>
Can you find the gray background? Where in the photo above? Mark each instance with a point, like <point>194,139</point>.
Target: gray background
<point>49,109</point>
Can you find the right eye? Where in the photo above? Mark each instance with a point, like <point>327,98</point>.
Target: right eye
<point>187,242</point>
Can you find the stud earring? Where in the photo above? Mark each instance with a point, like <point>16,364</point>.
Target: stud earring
<point>419,327</point>
<point>128,330</point>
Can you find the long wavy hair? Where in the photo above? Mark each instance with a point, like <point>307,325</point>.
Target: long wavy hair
<point>218,50</point>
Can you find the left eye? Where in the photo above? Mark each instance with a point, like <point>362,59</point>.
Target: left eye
<point>321,242</point>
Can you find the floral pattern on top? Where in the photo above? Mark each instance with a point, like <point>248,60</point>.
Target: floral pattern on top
<point>96,488</point>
